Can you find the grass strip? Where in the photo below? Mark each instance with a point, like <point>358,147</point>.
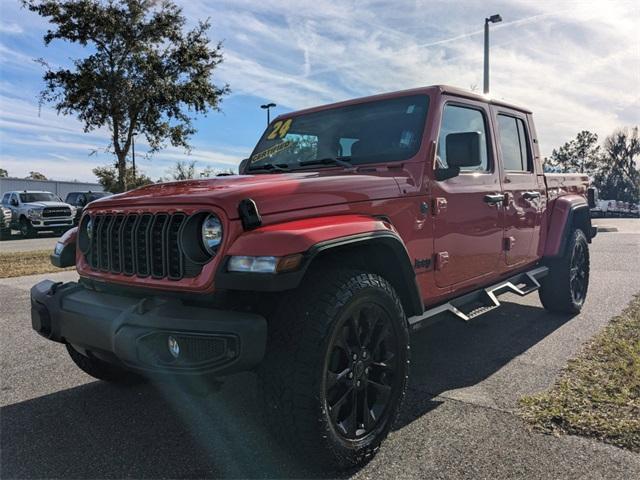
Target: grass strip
<point>17,264</point>
<point>598,394</point>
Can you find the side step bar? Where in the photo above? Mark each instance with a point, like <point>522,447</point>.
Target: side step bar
<point>483,300</point>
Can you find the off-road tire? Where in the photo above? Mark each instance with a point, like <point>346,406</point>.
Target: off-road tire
<point>26,229</point>
<point>293,380</point>
<point>5,233</point>
<point>560,291</point>
<point>103,370</point>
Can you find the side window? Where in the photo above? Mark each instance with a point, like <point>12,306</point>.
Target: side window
<point>72,199</point>
<point>15,197</point>
<point>514,144</point>
<point>457,119</point>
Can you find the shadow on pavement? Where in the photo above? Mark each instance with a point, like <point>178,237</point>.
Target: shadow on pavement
<point>99,430</point>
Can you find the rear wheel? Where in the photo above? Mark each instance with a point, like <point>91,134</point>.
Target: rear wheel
<point>336,367</point>
<point>565,288</point>
<point>102,370</point>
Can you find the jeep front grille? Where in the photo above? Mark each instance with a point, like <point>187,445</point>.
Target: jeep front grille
<point>140,244</point>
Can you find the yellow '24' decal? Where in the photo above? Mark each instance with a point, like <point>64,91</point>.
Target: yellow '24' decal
<point>280,129</point>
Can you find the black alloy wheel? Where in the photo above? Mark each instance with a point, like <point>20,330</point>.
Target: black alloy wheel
<point>361,370</point>
<point>578,275</point>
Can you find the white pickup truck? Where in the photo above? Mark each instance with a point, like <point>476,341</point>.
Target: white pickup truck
<point>36,211</point>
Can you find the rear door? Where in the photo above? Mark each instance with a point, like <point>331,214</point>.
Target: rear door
<point>522,187</point>
<point>467,228</point>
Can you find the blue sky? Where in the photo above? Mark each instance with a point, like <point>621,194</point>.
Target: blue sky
<point>576,64</point>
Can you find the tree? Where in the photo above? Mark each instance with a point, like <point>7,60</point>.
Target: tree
<point>3,173</point>
<point>142,74</point>
<point>209,172</point>
<point>183,170</point>
<point>578,155</point>
<point>36,176</point>
<point>108,178</point>
<point>619,176</point>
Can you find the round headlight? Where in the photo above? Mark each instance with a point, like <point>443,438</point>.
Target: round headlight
<point>211,233</point>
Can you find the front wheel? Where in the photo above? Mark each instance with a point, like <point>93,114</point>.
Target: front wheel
<point>565,287</point>
<point>336,367</point>
<point>26,229</point>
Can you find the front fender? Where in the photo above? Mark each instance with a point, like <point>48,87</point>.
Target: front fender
<point>566,212</point>
<point>315,236</point>
<point>299,236</point>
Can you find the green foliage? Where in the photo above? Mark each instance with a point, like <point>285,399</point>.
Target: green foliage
<point>3,173</point>
<point>142,72</point>
<point>578,155</point>
<point>108,178</point>
<point>36,176</point>
<point>618,176</point>
<point>187,170</point>
<point>612,165</point>
<point>598,394</point>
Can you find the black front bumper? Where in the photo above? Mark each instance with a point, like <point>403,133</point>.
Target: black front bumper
<point>135,331</point>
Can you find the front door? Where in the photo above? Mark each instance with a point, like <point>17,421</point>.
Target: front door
<point>523,188</point>
<point>467,208</point>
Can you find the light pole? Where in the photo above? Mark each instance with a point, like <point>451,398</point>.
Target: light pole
<point>492,19</point>
<point>267,107</point>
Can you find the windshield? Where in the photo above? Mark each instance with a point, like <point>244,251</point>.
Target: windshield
<point>38,197</point>
<point>378,131</point>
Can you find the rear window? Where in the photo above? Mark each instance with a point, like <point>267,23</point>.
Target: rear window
<point>514,144</point>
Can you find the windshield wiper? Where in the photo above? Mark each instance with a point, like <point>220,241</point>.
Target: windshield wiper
<point>270,167</point>
<point>342,161</point>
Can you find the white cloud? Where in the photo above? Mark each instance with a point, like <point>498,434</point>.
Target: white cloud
<point>10,28</point>
<point>576,64</point>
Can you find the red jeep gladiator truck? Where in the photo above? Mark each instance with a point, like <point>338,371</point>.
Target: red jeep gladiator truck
<point>350,226</point>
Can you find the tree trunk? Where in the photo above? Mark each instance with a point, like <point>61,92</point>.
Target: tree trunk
<point>122,172</point>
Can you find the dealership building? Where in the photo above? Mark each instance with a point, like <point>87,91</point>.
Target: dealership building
<point>8,184</point>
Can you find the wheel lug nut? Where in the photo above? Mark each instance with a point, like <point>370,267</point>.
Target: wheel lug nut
<point>355,357</point>
<point>350,374</point>
<point>358,383</point>
<point>364,354</point>
<point>366,370</point>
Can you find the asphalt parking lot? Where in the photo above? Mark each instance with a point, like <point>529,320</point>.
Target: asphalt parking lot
<point>458,420</point>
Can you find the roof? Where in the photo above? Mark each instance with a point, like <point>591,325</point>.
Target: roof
<point>433,89</point>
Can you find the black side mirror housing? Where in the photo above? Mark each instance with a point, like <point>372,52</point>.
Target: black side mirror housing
<point>447,173</point>
<point>14,202</point>
<point>242,166</point>
<point>463,149</point>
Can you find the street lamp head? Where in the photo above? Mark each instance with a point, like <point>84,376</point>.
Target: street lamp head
<point>494,18</point>
<point>268,105</point>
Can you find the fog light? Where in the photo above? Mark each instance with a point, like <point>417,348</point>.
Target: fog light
<point>174,347</point>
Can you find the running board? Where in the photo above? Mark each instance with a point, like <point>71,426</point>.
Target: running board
<point>483,300</point>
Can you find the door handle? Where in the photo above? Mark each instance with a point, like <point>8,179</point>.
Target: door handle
<point>530,195</point>
<point>494,198</point>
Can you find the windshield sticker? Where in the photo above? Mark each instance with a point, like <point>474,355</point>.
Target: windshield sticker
<point>280,129</point>
<point>271,150</point>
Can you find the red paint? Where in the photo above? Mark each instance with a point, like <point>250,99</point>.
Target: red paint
<point>458,227</point>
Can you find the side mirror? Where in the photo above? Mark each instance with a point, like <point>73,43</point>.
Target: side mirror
<point>242,166</point>
<point>14,202</point>
<point>463,149</point>
<point>82,201</point>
